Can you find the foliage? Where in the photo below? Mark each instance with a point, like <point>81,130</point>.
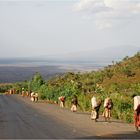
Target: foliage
<point>118,81</point>
<point>127,71</point>
<point>4,88</point>
<point>36,82</point>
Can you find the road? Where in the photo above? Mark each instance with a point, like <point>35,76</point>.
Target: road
<point>22,119</point>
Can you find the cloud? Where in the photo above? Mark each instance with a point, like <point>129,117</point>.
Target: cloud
<point>105,12</point>
<point>91,6</point>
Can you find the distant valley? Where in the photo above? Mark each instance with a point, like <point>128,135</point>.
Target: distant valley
<point>20,69</point>
<point>16,70</point>
<point>11,74</point>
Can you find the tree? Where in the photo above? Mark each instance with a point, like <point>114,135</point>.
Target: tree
<point>36,82</point>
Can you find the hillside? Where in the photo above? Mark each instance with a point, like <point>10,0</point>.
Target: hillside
<point>118,81</point>
<point>123,74</point>
<point>120,75</point>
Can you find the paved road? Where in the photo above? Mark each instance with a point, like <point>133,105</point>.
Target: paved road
<point>22,119</point>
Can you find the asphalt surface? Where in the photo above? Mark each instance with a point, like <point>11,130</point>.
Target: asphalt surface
<point>22,119</point>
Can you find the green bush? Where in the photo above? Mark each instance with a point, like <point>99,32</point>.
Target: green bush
<point>128,72</point>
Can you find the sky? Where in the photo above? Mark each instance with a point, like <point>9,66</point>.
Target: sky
<point>69,28</point>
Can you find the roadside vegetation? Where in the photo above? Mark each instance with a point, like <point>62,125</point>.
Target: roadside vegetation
<point>118,81</point>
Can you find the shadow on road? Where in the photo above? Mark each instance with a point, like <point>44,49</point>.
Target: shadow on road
<point>108,122</point>
<point>131,135</point>
<point>83,113</point>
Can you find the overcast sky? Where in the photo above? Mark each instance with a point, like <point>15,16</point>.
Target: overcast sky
<point>30,28</point>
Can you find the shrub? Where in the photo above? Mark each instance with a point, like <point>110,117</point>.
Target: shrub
<point>128,72</point>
